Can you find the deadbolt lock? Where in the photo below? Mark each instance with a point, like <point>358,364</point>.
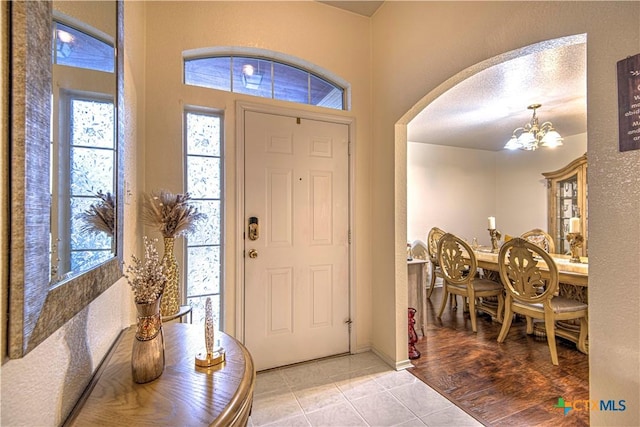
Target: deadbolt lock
<point>254,232</point>
<point>253,253</point>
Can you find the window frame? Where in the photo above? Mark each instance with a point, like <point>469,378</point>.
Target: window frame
<point>87,31</point>
<point>68,98</point>
<point>274,58</point>
<point>192,109</point>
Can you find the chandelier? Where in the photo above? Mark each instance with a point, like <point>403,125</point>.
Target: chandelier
<point>533,135</point>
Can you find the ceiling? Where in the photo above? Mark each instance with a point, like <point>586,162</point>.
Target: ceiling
<point>482,111</point>
<point>362,7</point>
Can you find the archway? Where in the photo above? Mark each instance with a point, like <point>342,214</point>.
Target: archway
<point>402,126</point>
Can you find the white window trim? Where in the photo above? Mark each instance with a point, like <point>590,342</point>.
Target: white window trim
<point>275,56</point>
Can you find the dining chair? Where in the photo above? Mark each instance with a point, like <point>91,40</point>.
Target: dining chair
<point>460,268</point>
<point>419,250</point>
<point>541,238</point>
<point>432,247</point>
<point>531,293</point>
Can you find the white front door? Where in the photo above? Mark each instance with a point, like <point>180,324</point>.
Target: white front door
<point>297,269</point>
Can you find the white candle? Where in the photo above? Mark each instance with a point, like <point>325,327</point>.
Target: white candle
<point>574,225</point>
<point>492,222</point>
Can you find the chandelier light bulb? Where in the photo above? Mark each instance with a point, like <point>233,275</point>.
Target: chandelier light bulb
<point>552,139</point>
<point>512,144</point>
<point>533,135</point>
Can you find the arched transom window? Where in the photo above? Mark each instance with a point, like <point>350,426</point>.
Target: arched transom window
<point>265,77</point>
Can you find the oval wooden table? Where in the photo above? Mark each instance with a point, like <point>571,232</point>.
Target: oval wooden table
<point>184,395</point>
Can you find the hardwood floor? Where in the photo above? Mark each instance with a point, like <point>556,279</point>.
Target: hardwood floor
<point>508,384</point>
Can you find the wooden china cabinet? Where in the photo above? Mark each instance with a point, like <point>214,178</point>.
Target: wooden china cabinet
<point>567,198</point>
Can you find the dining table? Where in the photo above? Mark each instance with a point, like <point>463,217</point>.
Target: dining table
<point>573,282</point>
<point>571,273</point>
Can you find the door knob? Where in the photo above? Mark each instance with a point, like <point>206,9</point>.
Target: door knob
<point>253,253</point>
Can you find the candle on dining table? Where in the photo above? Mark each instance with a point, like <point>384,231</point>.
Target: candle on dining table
<point>574,225</point>
<point>492,222</point>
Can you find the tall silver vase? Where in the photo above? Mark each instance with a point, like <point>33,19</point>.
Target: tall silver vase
<point>147,357</point>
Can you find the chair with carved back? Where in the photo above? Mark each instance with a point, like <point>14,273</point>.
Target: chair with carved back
<point>541,238</point>
<point>432,247</point>
<point>460,268</point>
<point>419,250</point>
<point>531,291</point>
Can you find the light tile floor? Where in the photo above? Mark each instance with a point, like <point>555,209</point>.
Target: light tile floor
<point>350,390</point>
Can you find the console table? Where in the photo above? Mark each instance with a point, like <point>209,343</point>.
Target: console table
<point>183,395</point>
<point>183,311</point>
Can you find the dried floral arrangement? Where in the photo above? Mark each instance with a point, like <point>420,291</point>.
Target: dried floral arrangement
<point>101,216</point>
<point>171,213</point>
<point>147,276</point>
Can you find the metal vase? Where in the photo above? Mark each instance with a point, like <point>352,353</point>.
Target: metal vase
<point>171,295</point>
<point>147,357</point>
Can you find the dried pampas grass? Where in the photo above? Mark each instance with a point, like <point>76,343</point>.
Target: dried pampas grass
<point>172,214</point>
<point>101,216</point>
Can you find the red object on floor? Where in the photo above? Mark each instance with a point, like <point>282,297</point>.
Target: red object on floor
<point>413,336</point>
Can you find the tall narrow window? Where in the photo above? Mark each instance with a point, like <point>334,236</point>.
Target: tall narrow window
<point>203,141</point>
<point>86,167</point>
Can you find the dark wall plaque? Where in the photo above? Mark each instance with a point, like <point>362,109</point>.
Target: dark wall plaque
<point>629,103</point>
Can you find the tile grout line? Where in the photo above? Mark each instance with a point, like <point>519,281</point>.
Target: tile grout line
<point>371,377</point>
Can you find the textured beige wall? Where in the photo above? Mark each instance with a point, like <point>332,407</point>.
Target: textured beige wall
<point>97,15</point>
<point>614,223</point>
<point>506,184</point>
<point>457,35</point>
<point>439,179</point>
<point>135,107</point>
<point>325,36</point>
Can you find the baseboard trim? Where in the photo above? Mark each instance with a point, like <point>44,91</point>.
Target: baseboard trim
<point>398,366</point>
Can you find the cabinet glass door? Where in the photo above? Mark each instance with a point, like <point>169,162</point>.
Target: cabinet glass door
<point>566,208</point>
<point>567,198</point>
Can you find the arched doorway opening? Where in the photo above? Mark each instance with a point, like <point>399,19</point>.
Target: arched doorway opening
<point>454,216</point>
<point>476,110</point>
